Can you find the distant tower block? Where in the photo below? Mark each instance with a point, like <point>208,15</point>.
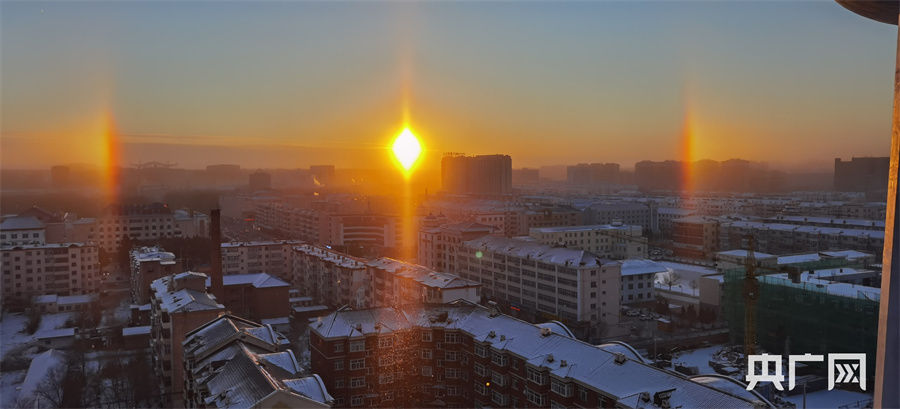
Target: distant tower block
<point>260,180</point>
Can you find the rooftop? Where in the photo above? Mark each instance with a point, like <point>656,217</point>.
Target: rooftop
<point>21,223</point>
<point>182,300</point>
<point>562,356</point>
<point>536,251</point>
<point>642,266</point>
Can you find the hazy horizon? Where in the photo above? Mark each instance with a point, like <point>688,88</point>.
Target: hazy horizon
<point>290,84</point>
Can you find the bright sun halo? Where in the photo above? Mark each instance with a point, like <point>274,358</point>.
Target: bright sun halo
<point>406,149</point>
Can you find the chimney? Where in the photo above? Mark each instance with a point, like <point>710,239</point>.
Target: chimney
<point>215,262</point>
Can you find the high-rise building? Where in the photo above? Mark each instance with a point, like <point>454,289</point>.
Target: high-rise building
<point>861,174</point>
<point>253,257</point>
<point>178,304</point>
<point>465,355</point>
<point>481,174</point>
<point>574,286</point>
<point>438,245</point>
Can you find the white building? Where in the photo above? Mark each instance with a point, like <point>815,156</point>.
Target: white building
<point>571,285</point>
<point>617,241</point>
<point>39,269</point>
<point>638,277</point>
<point>397,282</point>
<point>18,230</point>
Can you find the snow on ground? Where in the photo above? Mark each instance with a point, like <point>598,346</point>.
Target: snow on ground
<point>830,399</point>
<point>55,321</point>
<point>697,357</point>
<point>9,381</point>
<point>11,336</point>
<point>117,316</point>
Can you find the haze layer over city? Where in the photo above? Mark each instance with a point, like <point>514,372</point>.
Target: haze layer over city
<point>445,204</point>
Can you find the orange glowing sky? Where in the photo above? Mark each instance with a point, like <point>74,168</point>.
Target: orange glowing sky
<point>290,84</point>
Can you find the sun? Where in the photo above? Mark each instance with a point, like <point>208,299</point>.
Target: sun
<point>406,149</point>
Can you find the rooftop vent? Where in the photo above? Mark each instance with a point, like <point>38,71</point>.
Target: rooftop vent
<point>359,327</point>
<point>563,363</point>
<point>492,334</point>
<point>545,332</point>
<point>503,337</point>
<point>550,358</point>
<point>620,358</point>
<point>645,396</point>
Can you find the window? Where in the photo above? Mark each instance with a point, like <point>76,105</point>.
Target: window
<point>536,376</point>
<point>356,364</point>
<point>426,371</point>
<point>385,342</point>
<point>426,336</point>
<point>450,356</point>
<point>385,378</point>
<point>356,400</point>
<point>451,338</point>
<point>480,350</point>
<point>358,382</point>
<point>582,394</point>
<point>452,390</point>
<point>498,378</point>
<point>480,389</point>
<point>385,360</point>
<point>426,354</point>
<point>339,383</point>
<point>534,397</point>
<point>560,388</point>
<point>498,398</point>
<point>339,365</point>
<point>498,359</point>
<point>452,373</point>
<point>339,347</point>
<point>479,369</point>
<point>357,346</point>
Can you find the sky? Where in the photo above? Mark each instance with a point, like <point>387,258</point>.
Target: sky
<point>295,83</point>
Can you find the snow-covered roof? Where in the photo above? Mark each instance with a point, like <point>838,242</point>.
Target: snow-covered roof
<point>421,274</point>
<point>276,321</point>
<point>55,333</point>
<point>642,266</point>
<point>813,283</point>
<point>182,300</point>
<point>816,230</point>
<point>21,223</point>
<point>536,251</point>
<point>260,243</point>
<point>848,254</point>
<point>239,363</point>
<point>311,308</point>
<point>332,256</point>
<point>563,357</point>
<point>744,253</point>
<point>584,228</point>
<point>148,254</point>
<point>258,280</point>
<point>131,331</point>
<point>43,365</point>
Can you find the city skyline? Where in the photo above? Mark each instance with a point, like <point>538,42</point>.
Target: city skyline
<point>335,82</point>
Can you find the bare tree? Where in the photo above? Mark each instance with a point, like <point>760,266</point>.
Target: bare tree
<point>671,278</point>
<point>50,392</point>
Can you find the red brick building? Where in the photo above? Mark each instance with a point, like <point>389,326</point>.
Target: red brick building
<point>465,355</point>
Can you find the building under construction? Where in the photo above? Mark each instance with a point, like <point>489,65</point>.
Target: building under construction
<point>817,309</point>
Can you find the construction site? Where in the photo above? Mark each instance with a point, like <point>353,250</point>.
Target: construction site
<point>816,307</point>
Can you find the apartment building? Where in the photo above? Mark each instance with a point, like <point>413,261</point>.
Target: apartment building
<point>638,277</point>
<point>438,245</point>
<point>696,237</point>
<point>464,355</point>
<point>147,265</point>
<point>607,212</point>
<point>38,269</point>
<point>574,286</point>
<point>616,241</point>
<point>397,282</point>
<point>22,230</point>
<point>253,257</point>
<point>270,374</point>
<point>146,222</point>
<point>331,277</point>
<point>255,296</point>
<point>780,238</point>
<point>179,303</point>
